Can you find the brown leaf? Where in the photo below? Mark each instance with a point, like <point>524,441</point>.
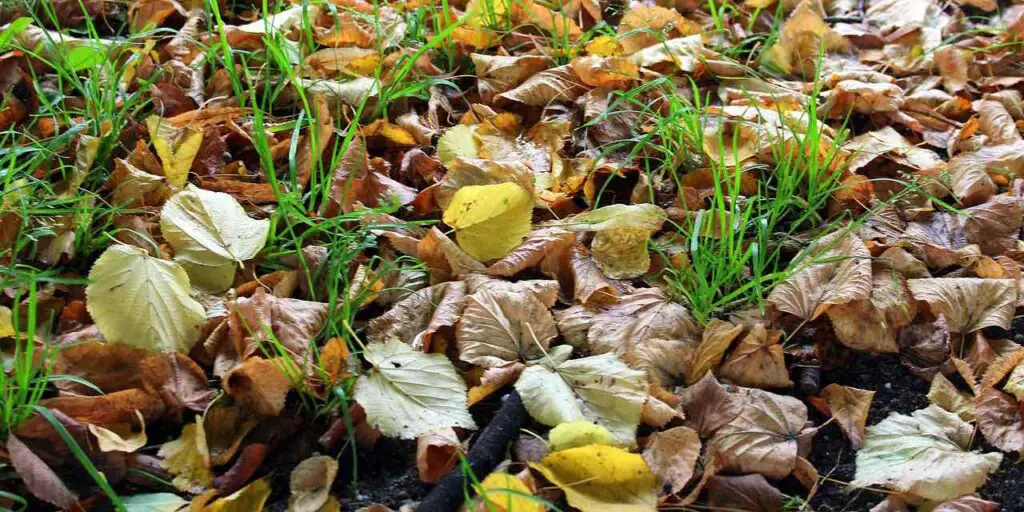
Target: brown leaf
<point>954,67</point>
<point>535,248</point>
<point>944,394</point>
<point>747,492</point>
<point>497,74</point>
<point>763,438</point>
<point>293,323</point>
<point>260,384</point>
<point>999,420</point>
<point>245,466</point>
<point>758,360</point>
<point>224,426</point>
<point>499,327</point>
<point>995,225</point>
<point>835,271</point>
<point>550,85</point>
<point>970,171</point>
<point>310,483</point>
<point>716,340</point>
<point>863,98</point>
<point>416,318</point>
<point>671,455</point>
<point>648,25</point>
<point>578,273</point>
<point>967,503</point>
<point>437,452</point>
<point>115,411</point>
<point>709,405</point>
<point>849,407</point>
<point>40,480</point>
<point>968,304</point>
<point>872,324</point>
<point>444,258</point>
<point>995,121</point>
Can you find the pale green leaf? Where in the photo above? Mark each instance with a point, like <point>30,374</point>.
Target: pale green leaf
<point>154,502</point>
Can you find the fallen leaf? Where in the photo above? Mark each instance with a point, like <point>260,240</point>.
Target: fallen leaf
<point>260,384</point>
<point>601,478</point>
<point>709,405</point>
<point>437,453</point>
<point>573,434</point>
<point>506,493</point>
<point>849,406</point>
<point>620,246</point>
<point>310,483</point>
<point>716,340</point>
<point>410,393</point>
<point>417,317</point>
<point>175,146</point>
<point>747,492</point>
<point>600,388</point>
<point>763,437</point>
<point>40,480</point>
<point>923,455</point>
<point>497,74</point>
<point>154,502</point>
<point>836,270</point>
<point>871,324</point>
<point>672,455</point>
<point>968,304</point>
<point>250,498</point>
<point>188,458</point>
<point>999,420</point>
<point>125,278</point>
<point>758,360</point>
<point>551,85</point>
<point>499,327</point>
<point>944,394</point>
<point>478,212</point>
<point>127,441</point>
<point>967,503</point>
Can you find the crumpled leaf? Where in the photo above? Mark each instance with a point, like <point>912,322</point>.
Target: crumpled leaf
<point>925,455</point>
<point>490,220</point>
<point>574,434</point>
<point>422,313</point>
<point>126,441</point>
<point>125,278</point>
<point>601,478</point>
<point>683,52</point>
<point>672,455</point>
<point>175,146</point>
<point>709,405</point>
<point>801,37</point>
<point>763,437</point>
<point>437,452</point>
<point>534,249</point>
<point>188,458</point>
<point>551,85</point>
<point>967,503</point>
<point>409,393</point>
<point>260,384</point>
<point>972,184</point>
<point>599,388</point>
<point>506,493</point>
<point>310,483</point>
<point>968,304</point>
<point>999,420</point>
<point>211,229</point>
<point>497,74</point>
<point>944,394</point>
<point>758,360</point>
<point>849,406</point>
<point>835,271</point>
<point>715,341</point>
<point>620,246</point>
<point>499,327</point>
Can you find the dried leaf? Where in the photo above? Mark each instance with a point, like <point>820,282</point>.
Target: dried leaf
<point>758,360</point>
<point>310,483</point>
<point>836,270</point>
<point>499,327</point>
<point>968,304</point>
<point>40,480</point>
<point>747,492</point>
<point>260,384</point>
<point>188,458</point>
<point>763,438</point>
<point>417,317</point>
<point>437,452</point>
<point>849,406</point>
<point>671,455</point>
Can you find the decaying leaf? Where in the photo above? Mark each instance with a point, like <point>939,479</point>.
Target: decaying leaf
<point>671,455</point>
<point>620,246</point>
<point>758,360</point>
<point>946,395</point>
<point>925,454</point>
<point>968,304</point>
<point>837,270</point>
<point>310,483</point>
<point>417,317</point>
<point>188,458</point>
<point>409,393</point>
<point>849,406</point>
<point>763,437</point>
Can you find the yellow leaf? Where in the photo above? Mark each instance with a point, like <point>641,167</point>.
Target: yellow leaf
<point>189,458</point>
<point>455,142</point>
<point>250,498</point>
<point>604,46</point>
<point>578,433</point>
<point>490,220</point>
<point>505,492</point>
<point>6,322</point>
<point>176,147</point>
<point>599,478</point>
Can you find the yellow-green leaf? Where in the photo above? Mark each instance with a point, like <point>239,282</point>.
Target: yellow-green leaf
<point>599,478</point>
<point>490,220</point>
<point>250,498</point>
<point>457,141</point>
<point>505,492</point>
<point>573,434</point>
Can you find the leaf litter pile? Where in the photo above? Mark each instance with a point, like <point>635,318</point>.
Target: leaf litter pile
<point>511,255</point>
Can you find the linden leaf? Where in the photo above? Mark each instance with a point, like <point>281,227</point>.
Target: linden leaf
<point>164,317</point>
<point>759,360</point>
<point>250,498</point>
<point>188,458</point>
<point>599,478</point>
<point>620,246</point>
<point>836,270</point>
<point>154,502</point>
<point>409,393</point>
<point>718,336</point>
<point>672,455</point>
<point>501,73</point>
<point>999,420</point>
<point>600,388</point>
<point>578,433</point>
<point>871,324</point>
<point>924,455</point>
<point>498,327</point>
<point>555,84</point>
<point>176,147</point>
<point>747,492</point>
<point>968,304</point>
<point>944,394</point>
<point>211,228</point>
<point>417,317</point>
<point>763,438</point>
<point>456,142</point>
<point>505,492</point>
<point>260,384</point>
<point>490,220</point>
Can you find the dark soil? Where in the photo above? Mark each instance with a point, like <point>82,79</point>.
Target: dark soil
<point>896,390</point>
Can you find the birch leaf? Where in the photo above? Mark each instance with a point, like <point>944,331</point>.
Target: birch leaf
<point>409,393</point>
<point>165,318</point>
<point>600,388</point>
<point>211,228</point>
<point>924,455</point>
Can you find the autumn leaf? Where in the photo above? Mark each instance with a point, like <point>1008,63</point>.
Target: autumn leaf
<point>39,478</point>
<point>417,317</point>
<point>175,146</point>
<point>924,455</point>
<point>551,85</point>
<point>620,246</point>
<point>478,212</point>
<point>872,324</point>
<point>709,405</point>
<point>499,327</point>
<point>573,434</point>
<point>507,493</point>
<point>437,452</point>
<point>758,360</point>
<point>849,406</point>
<point>497,74</point>
<point>945,394</point>
<point>968,304</point>
<point>601,478</point>
<point>409,393</point>
<point>600,388</point>
<point>747,492</point>
<point>125,278</point>
<point>188,458</point>
<point>671,455</point>
<point>260,384</point>
<point>837,270</point>
<point>250,498</point>
<point>310,483</point>
<point>715,341</point>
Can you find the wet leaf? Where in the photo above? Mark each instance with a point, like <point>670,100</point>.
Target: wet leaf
<point>409,393</point>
